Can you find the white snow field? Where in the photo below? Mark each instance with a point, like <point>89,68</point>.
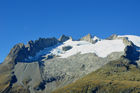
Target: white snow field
<point>101,48</point>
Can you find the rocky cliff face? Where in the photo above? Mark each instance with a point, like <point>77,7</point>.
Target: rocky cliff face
<point>117,76</point>
<point>87,38</point>
<point>90,39</point>
<point>20,51</point>
<point>36,46</point>
<point>114,36</point>
<point>131,53</point>
<point>53,72</point>
<point>64,38</point>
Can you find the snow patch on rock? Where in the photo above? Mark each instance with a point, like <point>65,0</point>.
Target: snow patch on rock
<point>96,38</point>
<point>134,39</point>
<point>102,48</point>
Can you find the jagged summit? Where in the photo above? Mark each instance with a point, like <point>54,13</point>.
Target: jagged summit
<point>47,64</point>
<point>52,46</point>
<point>63,38</point>
<point>20,51</point>
<point>90,38</point>
<point>113,36</point>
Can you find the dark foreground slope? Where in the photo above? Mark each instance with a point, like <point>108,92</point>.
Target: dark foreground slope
<point>119,76</point>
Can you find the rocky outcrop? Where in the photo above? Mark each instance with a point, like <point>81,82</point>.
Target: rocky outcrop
<point>36,46</point>
<point>17,53</point>
<point>53,72</point>
<point>49,56</point>
<point>131,53</point>
<point>112,37</point>
<point>87,38</point>
<point>30,76</point>
<point>20,51</point>
<point>59,72</point>
<point>47,75</point>
<point>90,39</point>
<point>111,78</point>
<point>66,48</point>
<point>64,38</point>
<point>126,41</point>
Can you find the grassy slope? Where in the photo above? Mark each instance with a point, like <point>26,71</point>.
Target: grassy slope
<point>5,77</point>
<point>116,77</point>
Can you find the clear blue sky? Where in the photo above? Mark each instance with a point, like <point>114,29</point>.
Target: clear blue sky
<point>24,20</point>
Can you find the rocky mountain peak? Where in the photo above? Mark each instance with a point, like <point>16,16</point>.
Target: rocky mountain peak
<point>112,37</point>
<point>88,38</point>
<point>52,64</point>
<point>63,38</point>
<point>20,52</point>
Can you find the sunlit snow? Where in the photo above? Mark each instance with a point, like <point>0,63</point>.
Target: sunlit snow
<point>95,38</point>
<point>101,48</point>
<point>134,39</point>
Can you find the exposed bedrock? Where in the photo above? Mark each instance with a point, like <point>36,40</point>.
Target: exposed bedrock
<point>20,51</point>
<point>50,73</point>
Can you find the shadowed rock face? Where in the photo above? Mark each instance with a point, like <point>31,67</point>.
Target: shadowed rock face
<point>131,53</point>
<point>20,51</point>
<point>130,50</point>
<point>8,72</point>
<point>66,48</point>
<point>36,46</point>
<point>50,73</point>
<point>64,38</point>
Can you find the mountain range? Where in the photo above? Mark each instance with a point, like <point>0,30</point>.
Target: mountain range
<point>87,65</point>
